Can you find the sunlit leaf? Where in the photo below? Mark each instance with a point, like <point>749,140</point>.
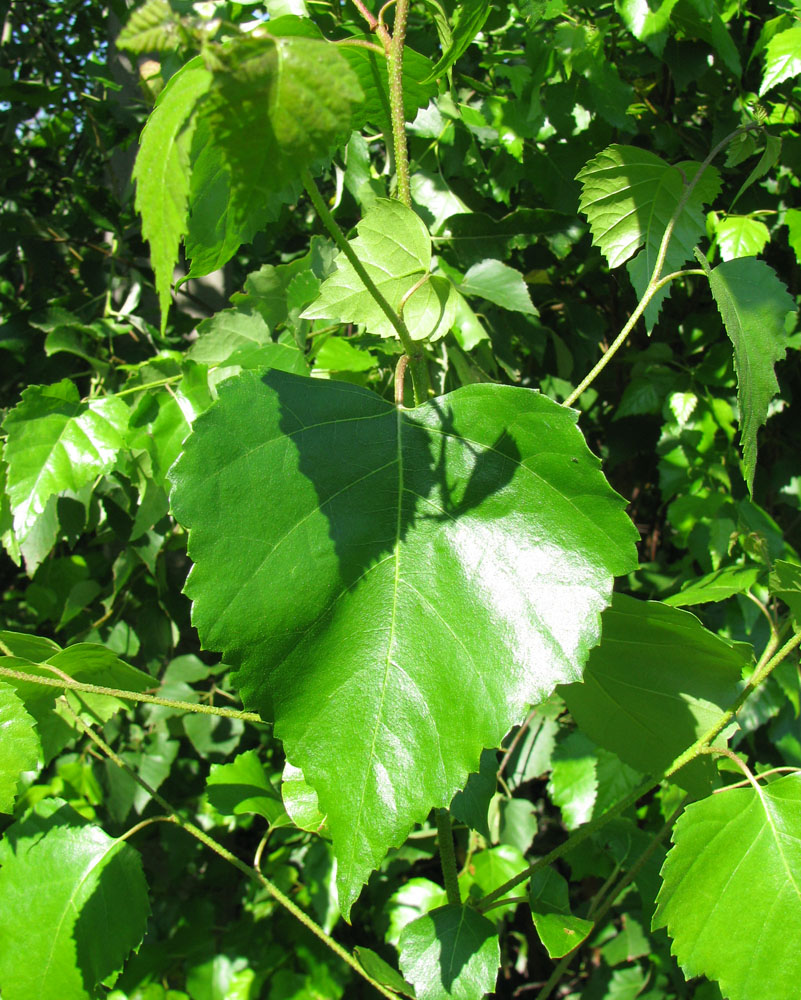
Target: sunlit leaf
<point>469,20</point>
<point>73,902</point>
<point>782,59</point>
<point>20,748</point>
<point>731,893</point>
<point>470,500</point>
<point>557,928</point>
<point>753,304</point>
<point>741,236</point>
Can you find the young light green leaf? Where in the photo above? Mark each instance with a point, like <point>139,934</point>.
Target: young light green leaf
<point>731,893</point>
<point>153,27</point>
<point>375,966</point>
<point>396,510</point>
<point>753,304</point>
<point>73,902</point>
<point>300,801</point>
<point>559,931</point>
<point>162,175</point>
<point>411,900</point>
<point>58,442</point>
<point>20,748</point>
<point>657,682</point>
<point>232,335</point>
<point>716,586</point>
<point>741,236</point>
<point>470,17</point>
<point>573,784</point>
<point>450,954</point>
<point>395,248</point>
<point>782,59</point>
<point>243,787</point>
<point>497,282</point>
<point>648,23</point>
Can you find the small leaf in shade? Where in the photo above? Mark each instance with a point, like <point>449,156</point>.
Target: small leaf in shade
<point>319,513</point>
<point>56,442</point>
<point>559,931</point>
<point>716,586</point>
<point>753,304</point>
<point>162,172</point>
<point>656,683</point>
<point>375,966</point>
<point>450,954</point>
<point>498,283</point>
<point>785,583</point>
<point>20,748</point>
<point>731,892</point>
<point>471,804</point>
<point>394,246</point>
<point>243,787</point>
<point>73,902</point>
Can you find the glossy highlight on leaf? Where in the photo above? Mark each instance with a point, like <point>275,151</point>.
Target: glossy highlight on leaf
<point>461,552</point>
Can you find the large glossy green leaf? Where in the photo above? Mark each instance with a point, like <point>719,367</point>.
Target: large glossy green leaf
<point>655,684</point>
<point>162,172</point>
<point>451,953</point>
<point>395,248</point>
<point>782,59</point>
<point>20,748</point>
<point>73,904</point>
<point>461,552</point>
<point>58,442</point>
<point>754,305</point>
<point>731,893</point>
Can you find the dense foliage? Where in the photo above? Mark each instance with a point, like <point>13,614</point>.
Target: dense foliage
<point>380,386</point>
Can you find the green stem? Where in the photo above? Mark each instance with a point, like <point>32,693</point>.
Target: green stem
<point>417,362</point>
<point>150,699</point>
<point>226,855</point>
<point>766,664</point>
<point>655,282</point>
<point>447,857</point>
<point>395,73</point>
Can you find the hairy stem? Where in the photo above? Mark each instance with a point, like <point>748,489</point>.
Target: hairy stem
<point>395,72</point>
<point>447,857</point>
<point>417,362</point>
<point>150,699</point>
<point>232,859</point>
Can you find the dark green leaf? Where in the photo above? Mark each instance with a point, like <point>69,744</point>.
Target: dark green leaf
<point>657,682</point>
<point>470,17</point>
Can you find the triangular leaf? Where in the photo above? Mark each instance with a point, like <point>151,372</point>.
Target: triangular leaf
<point>473,530</point>
<point>20,748</point>
<point>58,442</point>
<point>162,172</point>
<point>497,282</point>
<point>395,248</point>
<point>716,586</point>
<point>450,954</point>
<point>657,682</point>
<point>731,893</point>
<point>753,304</point>
<point>73,902</point>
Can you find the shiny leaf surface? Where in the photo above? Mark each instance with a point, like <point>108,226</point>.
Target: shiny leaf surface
<point>476,529</point>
